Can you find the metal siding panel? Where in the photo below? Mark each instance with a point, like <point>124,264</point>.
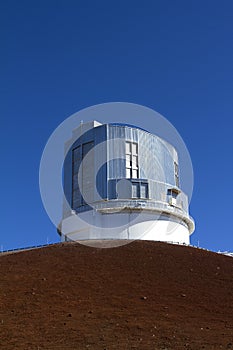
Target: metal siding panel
<point>76,161</point>
<point>100,155</point>
<point>156,163</point>
<point>116,152</point>
<point>67,183</point>
<point>168,163</point>
<point>155,159</point>
<point>88,172</point>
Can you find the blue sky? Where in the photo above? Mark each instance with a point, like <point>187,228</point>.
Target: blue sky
<point>58,57</point>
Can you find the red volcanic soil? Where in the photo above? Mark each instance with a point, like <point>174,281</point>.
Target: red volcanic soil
<point>144,295</point>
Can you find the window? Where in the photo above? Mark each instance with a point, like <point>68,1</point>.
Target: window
<point>135,190</point>
<point>176,171</point>
<point>128,173</point>
<point>131,157</point>
<point>144,190</point>
<point>139,190</point>
<point>172,196</point>
<point>172,192</point>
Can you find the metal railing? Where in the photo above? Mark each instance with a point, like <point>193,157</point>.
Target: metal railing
<point>2,251</point>
<point>137,205</point>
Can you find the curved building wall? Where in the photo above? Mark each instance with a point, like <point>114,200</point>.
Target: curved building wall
<point>156,157</point>
<point>119,167</point>
<point>145,226</point>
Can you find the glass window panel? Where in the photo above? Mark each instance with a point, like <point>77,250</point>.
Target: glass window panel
<point>135,190</point>
<point>134,173</point>
<point>134,149</point>
<point>144,191</point>
<point>127,147</point>
<point>131,160</point>
<point>127,158</point>
<point>128,175</point>
<point>134,162</point>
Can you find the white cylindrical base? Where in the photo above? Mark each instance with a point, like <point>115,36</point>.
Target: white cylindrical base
<point>92,225</point>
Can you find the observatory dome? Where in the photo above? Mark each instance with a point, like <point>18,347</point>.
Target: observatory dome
<point>122,182</point>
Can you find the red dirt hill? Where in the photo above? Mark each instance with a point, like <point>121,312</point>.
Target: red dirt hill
<point>144,295</point>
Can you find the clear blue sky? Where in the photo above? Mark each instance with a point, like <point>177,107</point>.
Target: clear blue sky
<point>58,57</point>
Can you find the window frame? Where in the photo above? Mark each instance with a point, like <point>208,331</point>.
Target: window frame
<point>176,174</point>
<point>131,164</point>
<point>139,185</point>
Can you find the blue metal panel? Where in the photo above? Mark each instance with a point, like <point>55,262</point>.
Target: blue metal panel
<point>90,139</point>
<point>112,192</point>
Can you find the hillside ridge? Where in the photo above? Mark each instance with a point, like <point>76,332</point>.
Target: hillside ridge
<point>143,295</point>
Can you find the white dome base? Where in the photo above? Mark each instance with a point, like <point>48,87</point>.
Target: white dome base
<point>92,225</point>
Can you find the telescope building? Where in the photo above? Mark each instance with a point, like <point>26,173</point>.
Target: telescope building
<point>122,182</point>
